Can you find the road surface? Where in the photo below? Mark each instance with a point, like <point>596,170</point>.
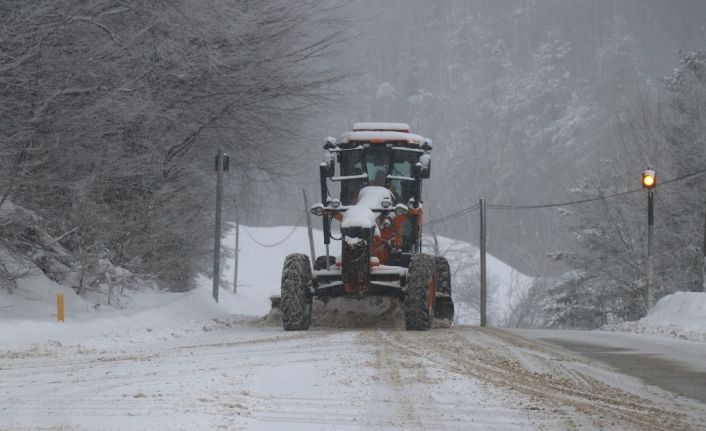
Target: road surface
<point>678,366</point>
<point>235,374</point>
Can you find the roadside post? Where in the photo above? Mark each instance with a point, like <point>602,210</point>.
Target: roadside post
<point>59,307</point>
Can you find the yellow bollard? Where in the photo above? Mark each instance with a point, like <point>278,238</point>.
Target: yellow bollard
<point>60,307</point>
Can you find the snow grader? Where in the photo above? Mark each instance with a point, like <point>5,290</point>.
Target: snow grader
<point>380,171</point>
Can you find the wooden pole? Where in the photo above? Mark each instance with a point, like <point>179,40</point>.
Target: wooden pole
<point>217,239</point>
<point>483,274</point>
<point>235,252</point>
<point>703,268</point>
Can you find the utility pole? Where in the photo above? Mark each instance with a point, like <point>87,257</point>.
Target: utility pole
<point>309,229</point>
<point>236,251</point>
<point>703,268</point>
<point>221,165</point>
<point>483,275</point>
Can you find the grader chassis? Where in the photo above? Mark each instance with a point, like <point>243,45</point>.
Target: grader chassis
<point>381,167</point>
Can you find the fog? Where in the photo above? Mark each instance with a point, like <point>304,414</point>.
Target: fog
<point>524,100</point>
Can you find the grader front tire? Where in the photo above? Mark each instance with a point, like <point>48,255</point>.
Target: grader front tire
<point>419,300</point>
<point>296,297</point>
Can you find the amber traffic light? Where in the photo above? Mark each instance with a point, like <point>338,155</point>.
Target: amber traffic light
<point>649,180</point>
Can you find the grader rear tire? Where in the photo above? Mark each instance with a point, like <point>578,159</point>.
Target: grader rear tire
<point>296,298</point>
<point>419,301</point>
<point>443,304</point>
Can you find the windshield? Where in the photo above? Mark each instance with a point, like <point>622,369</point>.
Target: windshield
<point>351,163</point>
<point>379,161</point>
<point>402,163</point>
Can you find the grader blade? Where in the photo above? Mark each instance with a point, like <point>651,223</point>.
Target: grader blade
<point>444,308</point>
<point>275,313</point>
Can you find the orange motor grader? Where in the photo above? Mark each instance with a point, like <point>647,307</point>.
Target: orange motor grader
<point>381,167</point>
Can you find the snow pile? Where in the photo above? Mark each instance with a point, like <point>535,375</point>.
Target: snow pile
<point>680,315</point>
<point>506,285</point>
<point>34,296</point>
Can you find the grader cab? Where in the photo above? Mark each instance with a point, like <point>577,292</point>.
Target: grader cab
<point>381,167</point>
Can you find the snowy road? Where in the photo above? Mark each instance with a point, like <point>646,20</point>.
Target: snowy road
<point>245,375</point>
<point>676,365</point>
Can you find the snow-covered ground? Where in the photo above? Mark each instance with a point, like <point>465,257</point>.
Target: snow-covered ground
<point>234,374</point>
<point>180,361</point>
<point>679,315</point>
<point>29,314</point>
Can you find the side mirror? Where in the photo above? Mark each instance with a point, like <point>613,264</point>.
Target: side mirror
<point>329,163</point>
<point>423,166</point>
<point>330,143</point>
<point>329,158</point>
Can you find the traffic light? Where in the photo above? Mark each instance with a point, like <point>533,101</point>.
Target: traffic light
<point>649,180</point>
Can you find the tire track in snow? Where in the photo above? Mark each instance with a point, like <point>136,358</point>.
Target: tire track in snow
<point>497,358</point>
<point>424,395</point>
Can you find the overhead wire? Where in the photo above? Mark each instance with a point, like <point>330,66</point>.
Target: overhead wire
<point>561,204</point>
<point>453,215</point>
<point>294,228</point>
<point>597,198</point>
<point>472,208</point>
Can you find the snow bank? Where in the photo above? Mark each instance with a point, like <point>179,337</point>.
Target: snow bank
<point>506,285</point>
<point>28,315</point>
<point>35,297</point>
<point>679,315</point>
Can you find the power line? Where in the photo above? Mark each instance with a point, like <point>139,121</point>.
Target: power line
<point>561,204</point>
<point>453,215</point>
<point>470,209</point>
<point>294,228</point>
<point>597,198</point>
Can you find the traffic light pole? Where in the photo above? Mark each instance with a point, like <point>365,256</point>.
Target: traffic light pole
<point>650,242</point>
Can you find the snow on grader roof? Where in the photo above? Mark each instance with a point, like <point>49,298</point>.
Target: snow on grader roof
<point>377,133</point>
<point>376,136</point>
<point>381,127</point>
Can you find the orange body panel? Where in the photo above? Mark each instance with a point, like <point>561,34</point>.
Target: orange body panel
<point>393,233</point>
